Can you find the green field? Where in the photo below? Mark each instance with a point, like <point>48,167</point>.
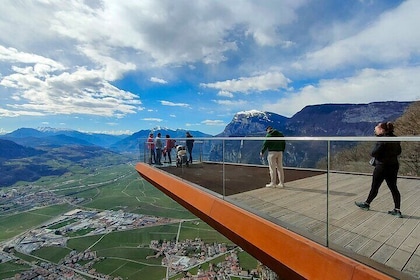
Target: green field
<point>121,188</point>
<point>62,224</point>
<point>52,254</point>
<point>13,225</point>
<point>130,269</point>
<point>9,269</point>
<point>123,253</point>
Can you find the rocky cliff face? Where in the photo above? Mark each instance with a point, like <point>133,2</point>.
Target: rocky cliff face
<point>252,123</point>
<point>318,120</point>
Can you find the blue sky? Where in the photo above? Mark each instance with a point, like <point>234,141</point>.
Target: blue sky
<point>123,66</point>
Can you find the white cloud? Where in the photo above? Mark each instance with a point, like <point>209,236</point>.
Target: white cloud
<point>112,68</point>
<point>262,19</point>
<point>3,131</point>
<point>157,80</point>
<point>113,38</point>
<point>389,40</point>
<point>162,32</point>
<point>165,32</point>
<point>18,113</point>
<point>214,122</point>
<point>231,103</point>
<point>152,119</point>
<point>264,82</point>
<point>112,132</point>
<point>44,90</point>
<point>12,55</point>
<point>169,103</point>
<point>225,93</point>
<point>369,85</point>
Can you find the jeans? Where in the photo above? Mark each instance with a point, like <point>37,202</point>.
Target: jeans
<point>152,156</point>
<point>190,148</point>
<point>158,155</point>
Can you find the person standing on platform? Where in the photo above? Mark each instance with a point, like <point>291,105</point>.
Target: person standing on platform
<point>190,144</point>
<point>386,168</point>
<point>275,150</point>
<point>170,143</point>
<point>159,147</point>
<point>151,149</point>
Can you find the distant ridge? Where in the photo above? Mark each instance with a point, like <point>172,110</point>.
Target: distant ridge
<point>38,148</point>
<point>318,120</point>
<point>57,137</point>
<point>313,120</point>
<point>11,150</point>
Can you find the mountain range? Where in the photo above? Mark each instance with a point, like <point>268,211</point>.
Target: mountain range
<point>43,145</point>
<point>318,120</point>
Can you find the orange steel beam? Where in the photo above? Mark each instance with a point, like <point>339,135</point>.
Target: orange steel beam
<point>288,254</point>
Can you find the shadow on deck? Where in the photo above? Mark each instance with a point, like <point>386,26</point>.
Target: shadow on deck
<point>236,178</point>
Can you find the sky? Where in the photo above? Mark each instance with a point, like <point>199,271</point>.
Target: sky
<point>117,67</point>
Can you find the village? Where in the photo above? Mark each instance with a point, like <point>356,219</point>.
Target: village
<point>177,256</point>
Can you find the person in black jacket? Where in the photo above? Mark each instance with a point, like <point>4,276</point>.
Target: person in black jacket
<point>386,168</point>
<point>190,145</point>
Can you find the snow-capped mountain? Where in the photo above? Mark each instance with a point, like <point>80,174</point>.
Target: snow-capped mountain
<point>252,123</point>
<point>318,120</point>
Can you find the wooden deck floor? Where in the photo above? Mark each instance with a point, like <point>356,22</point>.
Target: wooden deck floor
<point>372,235</point>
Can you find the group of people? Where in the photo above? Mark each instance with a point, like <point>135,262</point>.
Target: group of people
<point>156,149</point>
<point>385,160</point>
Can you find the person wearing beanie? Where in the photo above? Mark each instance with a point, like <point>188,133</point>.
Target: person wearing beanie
<point>386,168</point>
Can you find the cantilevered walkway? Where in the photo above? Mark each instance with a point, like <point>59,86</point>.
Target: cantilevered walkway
<point>299,231</point>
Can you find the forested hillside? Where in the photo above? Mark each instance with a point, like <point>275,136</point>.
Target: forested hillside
<point>356,159</point>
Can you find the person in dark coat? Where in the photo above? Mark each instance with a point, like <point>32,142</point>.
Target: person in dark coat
<point>190,144</point>
<point>386,168</point>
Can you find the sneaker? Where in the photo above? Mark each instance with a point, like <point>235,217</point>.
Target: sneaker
<point>280,185</point>
<point>362,205</point>
<point>395,212</point>
<point>271,185</point>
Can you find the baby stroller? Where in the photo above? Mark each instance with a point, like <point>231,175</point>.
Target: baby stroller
<point>181,156</point>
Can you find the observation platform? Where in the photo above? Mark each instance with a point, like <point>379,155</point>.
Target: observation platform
<point>310,229</point>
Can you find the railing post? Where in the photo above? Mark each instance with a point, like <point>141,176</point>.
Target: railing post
<point>201,152</point>
<point>328,191</point>
<point>223,172</point>
<point>139,143</point>
<point>142,144</point>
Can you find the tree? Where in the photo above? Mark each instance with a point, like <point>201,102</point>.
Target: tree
<point>409,125</point>
<point>356,159</point>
